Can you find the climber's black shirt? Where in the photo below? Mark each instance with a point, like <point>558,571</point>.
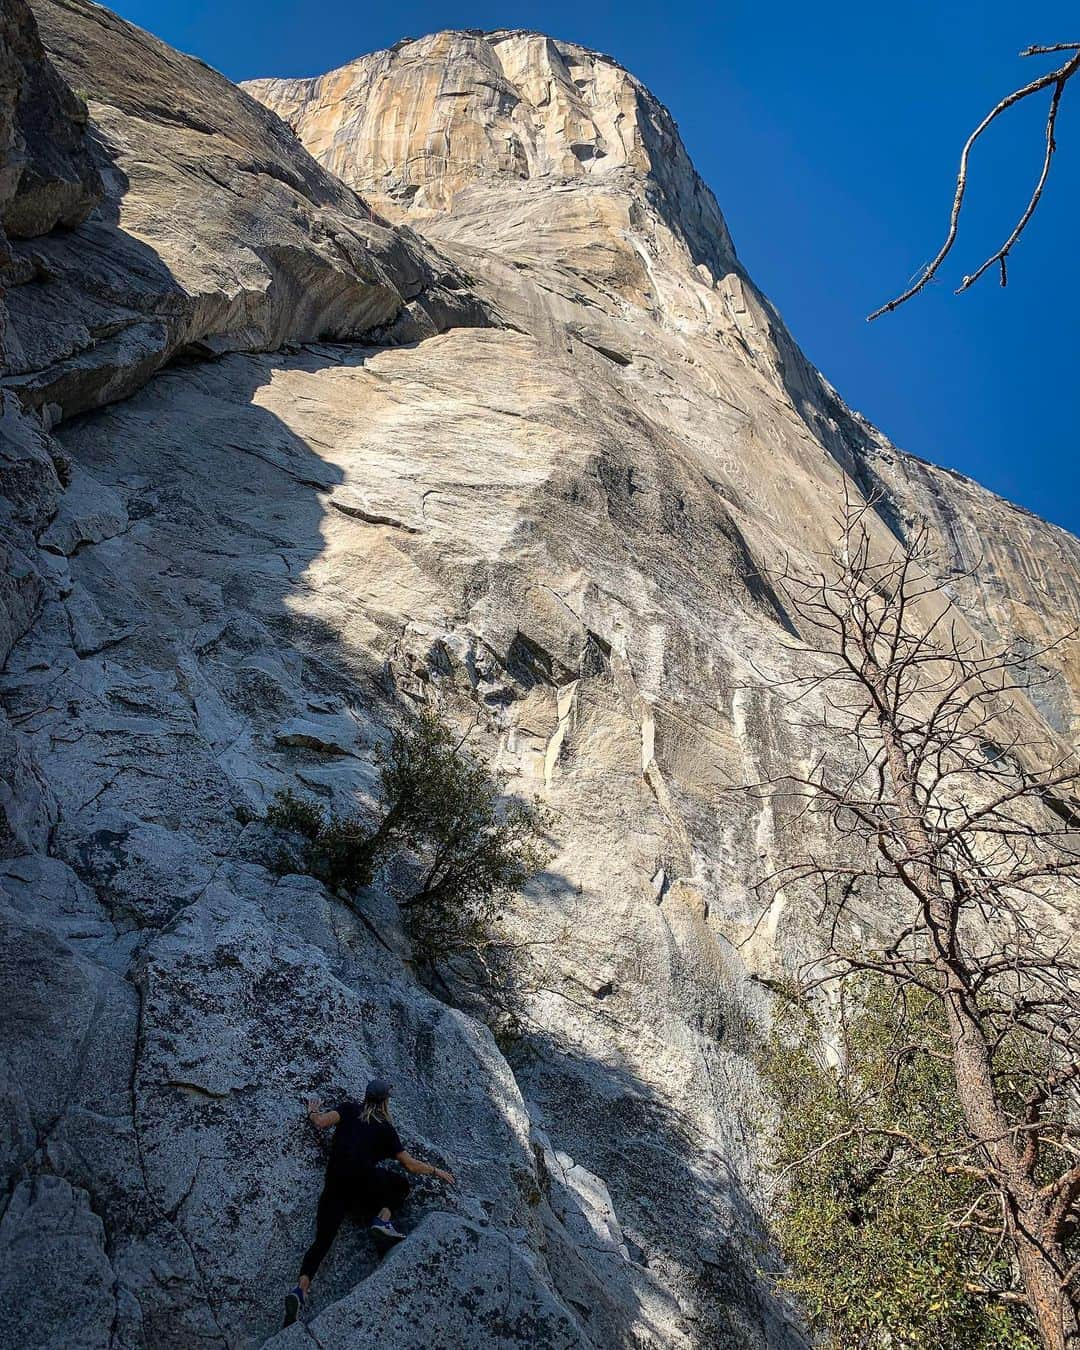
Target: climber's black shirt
<point>358,1145</point>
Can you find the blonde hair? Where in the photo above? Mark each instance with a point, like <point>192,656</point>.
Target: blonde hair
<point>370,1111</point>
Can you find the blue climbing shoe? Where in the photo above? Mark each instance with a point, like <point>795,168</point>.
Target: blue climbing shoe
<point>294,1301</point>
<point>383,1230</point>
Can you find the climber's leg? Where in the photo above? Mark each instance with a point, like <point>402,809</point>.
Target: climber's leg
<point>333,1204</point>
<point>395,1190</point>
<point>388,1192</point>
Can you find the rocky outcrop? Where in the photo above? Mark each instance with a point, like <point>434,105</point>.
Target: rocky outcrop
<point>217,233</point>
<point>215,647</point>
<point>429,122</point>
<point>48,176</point>
<point>1015,575</point>
<point>535,475</point>
<point>562,183</point>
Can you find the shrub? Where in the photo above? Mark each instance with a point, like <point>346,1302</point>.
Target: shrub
<point>340,851</point>
<point>885,1241</point>
<point>299,815</point>
<point>474,851</point>
<point>470,849</point>
<point>344,854</point>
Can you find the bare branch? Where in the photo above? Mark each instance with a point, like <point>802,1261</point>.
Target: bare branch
<point>1021,224</point>
<point>954,842</point>
<point>1054,79</point>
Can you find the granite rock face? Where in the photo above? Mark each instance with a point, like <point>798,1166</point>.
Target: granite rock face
<point>563,183</point>
<point>217,233</point>
<point>491,420</point>
<point>430,123</point>
<point>48,176</point>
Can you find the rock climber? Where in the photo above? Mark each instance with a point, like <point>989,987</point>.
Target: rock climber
<point>364,1137</point>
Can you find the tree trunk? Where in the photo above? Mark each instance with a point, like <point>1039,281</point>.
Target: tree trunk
<point>386,827</point>
<point>1042,1270</point>
<point>1040,1257</point>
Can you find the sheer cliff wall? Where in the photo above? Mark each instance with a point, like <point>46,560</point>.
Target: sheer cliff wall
<point>473,405</point>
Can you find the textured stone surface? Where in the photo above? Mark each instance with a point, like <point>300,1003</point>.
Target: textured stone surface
<point>556,528</point>
<point>56,1286</point>
<point>475,1285</point>
<point>48,177</point>
<point>427,123</point>
<point>220,646</point>
<point>561,183</point>
<point>217,232</point>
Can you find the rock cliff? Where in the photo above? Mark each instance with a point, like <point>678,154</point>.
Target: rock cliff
<point>471,405</point>
<point>561,182</point>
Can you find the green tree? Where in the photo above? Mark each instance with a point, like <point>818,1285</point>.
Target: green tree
<point>888,1234</point>
<point>474,849</point>
<point>470,847</point>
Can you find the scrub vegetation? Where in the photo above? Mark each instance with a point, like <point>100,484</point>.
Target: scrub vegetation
<point>465,848</point>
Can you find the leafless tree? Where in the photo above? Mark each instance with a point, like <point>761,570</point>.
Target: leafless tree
<point>957,827</point>
<point>1055,81</point>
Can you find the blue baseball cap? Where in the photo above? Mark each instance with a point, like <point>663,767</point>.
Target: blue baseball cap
<point>377,1090</point>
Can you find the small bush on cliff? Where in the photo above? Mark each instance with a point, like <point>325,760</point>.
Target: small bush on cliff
<point>889,1243</point>
<point>340,850</point>
<point>469,849</point>
<point>473,849</point>
<point>299,815</point>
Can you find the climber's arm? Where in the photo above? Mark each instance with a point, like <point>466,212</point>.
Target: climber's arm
<point>322,1120</point>
<point>423,1169</point>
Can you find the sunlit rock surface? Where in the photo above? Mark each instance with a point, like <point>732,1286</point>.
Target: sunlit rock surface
<point>556,177</point>
<point>496,422</point>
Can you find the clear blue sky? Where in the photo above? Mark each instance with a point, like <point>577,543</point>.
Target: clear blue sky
<point>829,133</point>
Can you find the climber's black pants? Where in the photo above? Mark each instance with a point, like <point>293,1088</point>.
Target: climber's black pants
<point>363,1196</point>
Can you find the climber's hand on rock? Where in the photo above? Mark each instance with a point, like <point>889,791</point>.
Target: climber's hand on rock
<point>443,1175</point>
<point>321,1119</point>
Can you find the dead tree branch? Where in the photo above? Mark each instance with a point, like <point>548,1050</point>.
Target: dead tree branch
<point>1054,80</point>
<point>951,828</point>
